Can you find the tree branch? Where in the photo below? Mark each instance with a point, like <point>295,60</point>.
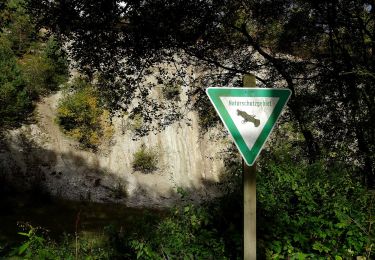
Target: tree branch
<point>220,65</point>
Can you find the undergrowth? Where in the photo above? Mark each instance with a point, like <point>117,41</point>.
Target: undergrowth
<point>304,211</point>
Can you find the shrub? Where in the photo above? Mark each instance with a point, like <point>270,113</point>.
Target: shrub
<point>15,103</point>
<point>37,72</point>
<point>207,116</point>
<point>136,123</point>
<point>119,191</point>
<point>145,160</point>
<point>185,234</point>
<point>313,211</point>
<point>58,60</point>
<point>29,66</point>
<point>45,68</point>
<point>19,29</point>
<point>82,116</point>
<point>171,91</point>
<point>38,246</point>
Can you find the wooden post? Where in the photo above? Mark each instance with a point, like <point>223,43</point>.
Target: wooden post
<point>249,195</point>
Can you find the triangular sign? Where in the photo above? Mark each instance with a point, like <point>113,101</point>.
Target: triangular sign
<point>249,114</point>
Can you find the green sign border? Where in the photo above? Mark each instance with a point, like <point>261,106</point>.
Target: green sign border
<point>215,93</point>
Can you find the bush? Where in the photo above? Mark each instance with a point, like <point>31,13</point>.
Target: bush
<point>44,69</point>
<point>15,103</point>
<point>119,191</point>
<point>38,246</point>
<point>145,160</point>
<point>20,31</point>
<point>136,123</point>
<point>29,66</point>
<point>207,116</point>
<point>313,211</point>
<point>58,60</point>
<point>185,234</point>
<point>83,117</point>
<point>37,72</point>
<point>171,91</point>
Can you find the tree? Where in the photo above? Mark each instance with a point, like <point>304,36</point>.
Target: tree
<point>44,68</point>
<point>31,64</point>
<point>17,26</point>
<point>82,117</point>
<point>14,101</point>
<point>323,51</point>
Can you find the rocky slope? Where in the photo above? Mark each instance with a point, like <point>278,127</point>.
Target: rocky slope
<point>40,154</point>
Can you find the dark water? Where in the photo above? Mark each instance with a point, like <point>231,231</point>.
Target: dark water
<point>59,216</point>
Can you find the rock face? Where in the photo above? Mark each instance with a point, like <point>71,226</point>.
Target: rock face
<point>40,154</point>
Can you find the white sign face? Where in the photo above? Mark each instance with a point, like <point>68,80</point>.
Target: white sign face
<point>250,115</point>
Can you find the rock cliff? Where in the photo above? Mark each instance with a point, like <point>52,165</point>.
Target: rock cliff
<point>40,154</point>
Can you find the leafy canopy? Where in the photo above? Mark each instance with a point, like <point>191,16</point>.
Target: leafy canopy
<point>322,50</point>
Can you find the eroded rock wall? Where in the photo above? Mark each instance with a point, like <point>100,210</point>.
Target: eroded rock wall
<point>40,153</point>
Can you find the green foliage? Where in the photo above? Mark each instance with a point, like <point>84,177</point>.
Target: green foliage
<point>321,50</point>
<point>83,117</point>
<point>34,246</point>
<point>38,246</point>
<point>37,72</point>
<point>57,58</point>
<point>207,115</point>
<point>9,69</point>
<point>119,191</point>
<point>145,160</point>
<point>29,66</point>
<point>186,234</point>
<point>45,68</point>
<point>136,124</point>
<point>207,119</point>
<point>15,103</point>
<point>20,31</point>
<point>303,213</point>
<point>313,211</point>
<point>171,91</point>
